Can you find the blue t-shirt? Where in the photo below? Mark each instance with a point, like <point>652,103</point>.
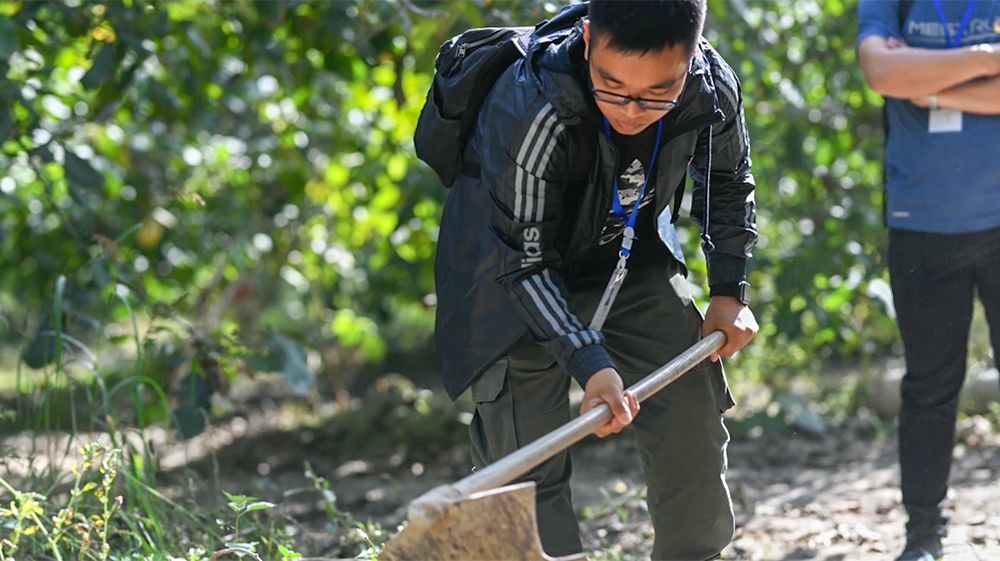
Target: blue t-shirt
<point>941,182</point>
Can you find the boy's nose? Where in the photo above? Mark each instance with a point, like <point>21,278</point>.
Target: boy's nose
<point>632,110</point>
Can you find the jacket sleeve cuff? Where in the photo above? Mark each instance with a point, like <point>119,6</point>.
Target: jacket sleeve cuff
<point>586,361</point>
<point>726,269</point>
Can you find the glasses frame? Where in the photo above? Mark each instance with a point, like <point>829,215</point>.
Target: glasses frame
<point>620,100</point>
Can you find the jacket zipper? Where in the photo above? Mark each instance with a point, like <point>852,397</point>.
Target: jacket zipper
<point>471,45</point>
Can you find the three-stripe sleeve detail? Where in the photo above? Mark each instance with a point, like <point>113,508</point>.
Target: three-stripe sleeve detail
<point>532,159</point>
<point>529,206</point>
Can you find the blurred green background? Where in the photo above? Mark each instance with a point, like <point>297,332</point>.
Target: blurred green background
<point>241,175</point>
<point>196,193</point>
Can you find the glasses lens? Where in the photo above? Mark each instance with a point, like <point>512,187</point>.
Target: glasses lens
<point>647,104</point>
<point>609,97</point>
<point>654,105</point>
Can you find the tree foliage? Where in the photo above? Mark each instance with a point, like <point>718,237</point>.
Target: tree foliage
<point>245,169</point>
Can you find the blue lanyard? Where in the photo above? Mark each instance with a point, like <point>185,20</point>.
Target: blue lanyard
<point>628,236</point>
<point>616,205</point>
<point>966,17</point>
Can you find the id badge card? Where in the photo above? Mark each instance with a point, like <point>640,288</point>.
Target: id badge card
<point>608,298</point>
<point>944,120</point>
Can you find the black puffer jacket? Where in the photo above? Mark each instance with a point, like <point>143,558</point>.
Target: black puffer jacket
<point>511,236</point>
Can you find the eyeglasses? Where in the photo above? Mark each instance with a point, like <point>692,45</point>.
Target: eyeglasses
<point>623,100</point>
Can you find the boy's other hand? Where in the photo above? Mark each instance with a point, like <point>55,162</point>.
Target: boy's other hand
<point>729,315</point>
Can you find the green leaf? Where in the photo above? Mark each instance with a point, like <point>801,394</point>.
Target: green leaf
<point>259,505</point>
<point>835,300</point>
<point>103,67</point>
<point>396,167</point>
<point>10,9</point>
<point>288,554</point>
<point>243,548</point>
<point>238,502</point>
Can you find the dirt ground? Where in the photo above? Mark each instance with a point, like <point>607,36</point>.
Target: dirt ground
<point>831,497</point>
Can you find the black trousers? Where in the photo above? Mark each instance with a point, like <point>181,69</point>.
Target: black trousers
<point>934,281</point>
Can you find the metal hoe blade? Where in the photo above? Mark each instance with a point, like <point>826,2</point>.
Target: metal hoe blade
<point>477,519</point>
<point>495,524</point>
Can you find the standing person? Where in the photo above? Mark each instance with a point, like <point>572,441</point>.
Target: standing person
<point>938,65</point>
<point>527,246</point>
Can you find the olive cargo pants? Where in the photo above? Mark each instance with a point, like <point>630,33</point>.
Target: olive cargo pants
<point>679,431</point>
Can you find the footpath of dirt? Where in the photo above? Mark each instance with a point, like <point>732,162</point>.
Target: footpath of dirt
<point>831,497</point>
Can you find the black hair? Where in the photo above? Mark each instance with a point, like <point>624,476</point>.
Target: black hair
<point>642,26</point>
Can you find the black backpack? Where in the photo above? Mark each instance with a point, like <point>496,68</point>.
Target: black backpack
<point>466,68</point>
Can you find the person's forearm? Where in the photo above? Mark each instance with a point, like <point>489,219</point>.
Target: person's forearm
<point>907,72</point>
<point>980,96</point>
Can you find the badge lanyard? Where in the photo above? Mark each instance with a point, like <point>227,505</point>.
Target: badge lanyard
<point>956,41</point>
<point>950,120</point>
<point>628,234</point>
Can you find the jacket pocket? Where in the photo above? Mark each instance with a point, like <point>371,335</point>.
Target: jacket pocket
<point>720,385</point>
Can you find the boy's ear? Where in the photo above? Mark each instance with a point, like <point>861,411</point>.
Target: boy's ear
<point>586,39</point>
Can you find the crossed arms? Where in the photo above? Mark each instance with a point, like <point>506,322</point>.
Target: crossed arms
<point>967,79</point>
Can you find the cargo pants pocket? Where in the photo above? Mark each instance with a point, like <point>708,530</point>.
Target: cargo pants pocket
<point>720,386</point>
<point>492,428</point>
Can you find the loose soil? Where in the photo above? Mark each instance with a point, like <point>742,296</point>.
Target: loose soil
<point>830,497</point>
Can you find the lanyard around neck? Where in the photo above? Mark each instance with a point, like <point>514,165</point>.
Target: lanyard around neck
<point>616,205</point>
<point>955,42</point>
<point>628,236</point>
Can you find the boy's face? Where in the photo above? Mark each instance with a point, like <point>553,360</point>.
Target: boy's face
<point>654,76</point>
